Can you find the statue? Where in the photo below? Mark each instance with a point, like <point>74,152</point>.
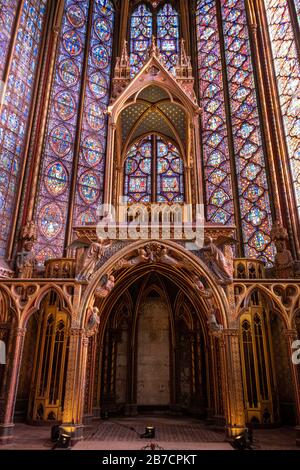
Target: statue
<point>106,285</point>
<point>213,324</point>
<point>203,292</point>
<point>285,266</point>
<point>167,259</point>
<point>142,257</point>
<point>220,265</point>
<point>26,260</point>
<point>93,321</point>
<point>151,253</point>
<point>88,260</point>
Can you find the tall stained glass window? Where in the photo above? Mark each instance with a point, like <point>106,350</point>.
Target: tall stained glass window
<point>254,200</point>
<point>141,32</point>
<point>164,23</point>
<point>154,172</point>
<point>287,69</point>
<point>168,35</point>
<point>15,112</point>
<point>219,195</point>
<point>231,132</point>
<point>63,129</point>
<point>7,15</point>
<point>91,169</point>
<point>52,213</point>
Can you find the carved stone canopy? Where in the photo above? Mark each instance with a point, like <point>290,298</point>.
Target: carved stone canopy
<point>155,67</point>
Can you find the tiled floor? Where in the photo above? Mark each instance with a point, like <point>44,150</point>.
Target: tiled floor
<point>171,434</point>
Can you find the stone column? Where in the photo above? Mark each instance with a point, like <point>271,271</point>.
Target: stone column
<point>90,377</point>
<point>75,385</point>
<point>124,18</point>
<point>235,413</point>
<point>6,414</point>
<point>291,336</point>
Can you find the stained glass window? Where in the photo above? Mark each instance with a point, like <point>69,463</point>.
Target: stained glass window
<point>140,37</point>
<point>287,69</point>
<point>219,196</point>
<point>138,172</point>
<point>249,157</point>
<point>143,25</point>
<point>15,112</point>
<point>63,122</point>
<point>154,156</point>
<point>7,16</point>
<point>56,172</point>
<point>168,35</point>
<point>170,174</point>
<point>94,126</point>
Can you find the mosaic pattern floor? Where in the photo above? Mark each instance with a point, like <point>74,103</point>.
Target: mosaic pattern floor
<point>130,430</point>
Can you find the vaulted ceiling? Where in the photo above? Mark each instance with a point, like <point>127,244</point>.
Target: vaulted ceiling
<point>153,111</point>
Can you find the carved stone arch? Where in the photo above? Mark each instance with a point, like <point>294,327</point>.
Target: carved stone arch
<point>268,296</point>
<point>126,92</point>
<point>125,303</point>
<point>295,320</point>
<point>180,304</point>
<point>192,261</point>
<point>9,311</point>
<point>35,303</point>
<point>176,142</point>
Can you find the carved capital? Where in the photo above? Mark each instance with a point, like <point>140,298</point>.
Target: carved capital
<point>290,335</point>
<point>77,332</point>
<point>231,332</point>
<point>19,332</point>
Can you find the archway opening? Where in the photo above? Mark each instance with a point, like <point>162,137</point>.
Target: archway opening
<point>268,388</point>
<point>152,353</point>
<point>41,389</point>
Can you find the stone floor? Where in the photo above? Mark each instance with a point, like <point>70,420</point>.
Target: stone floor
<point>171,434</point>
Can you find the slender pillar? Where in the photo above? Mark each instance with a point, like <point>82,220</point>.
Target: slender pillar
<point>235,400</point>
<point>124,15</point>
<point>109,179</point>
<point>291,336</point>
<point>185,24</point>
<point>75,384</point>
<point>6,416</point>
